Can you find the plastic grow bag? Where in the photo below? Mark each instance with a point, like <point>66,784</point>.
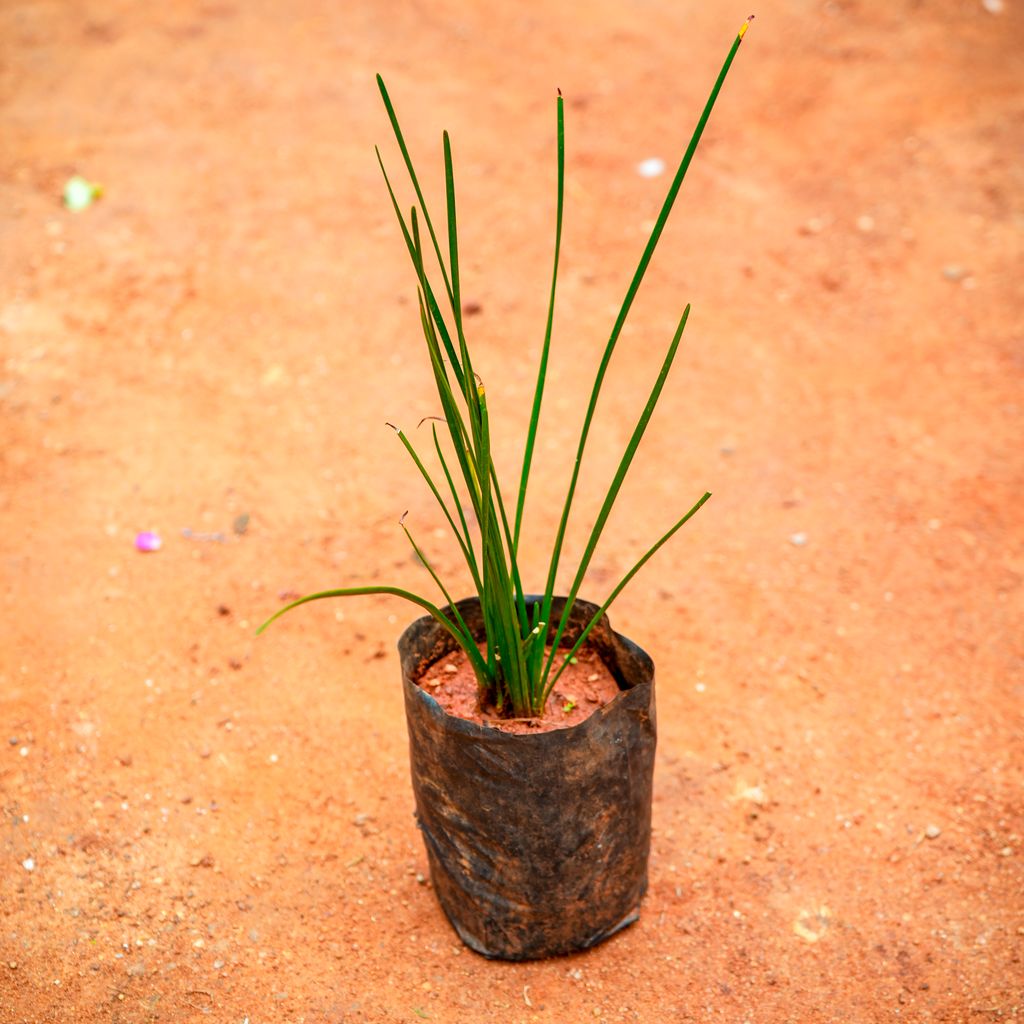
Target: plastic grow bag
<point>537,844</point>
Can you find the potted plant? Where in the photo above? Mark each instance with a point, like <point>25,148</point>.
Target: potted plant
<point>533,789</point>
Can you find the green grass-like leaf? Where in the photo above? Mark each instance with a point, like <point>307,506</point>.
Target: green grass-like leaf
<point>523,657</point>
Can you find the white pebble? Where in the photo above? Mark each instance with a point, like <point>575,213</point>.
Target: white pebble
<point>651,167</point>
<point>865,223</point>
<point>798,539</point>
<point>933,832</point>
<point>993,6</point>
<point>28,864</point>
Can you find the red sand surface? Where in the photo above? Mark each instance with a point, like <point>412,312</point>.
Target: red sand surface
<point>198,825</point>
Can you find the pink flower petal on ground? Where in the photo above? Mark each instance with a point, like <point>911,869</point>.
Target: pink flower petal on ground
<point>148,541</point>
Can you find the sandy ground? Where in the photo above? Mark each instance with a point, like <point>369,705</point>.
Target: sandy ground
<point>199,825</point>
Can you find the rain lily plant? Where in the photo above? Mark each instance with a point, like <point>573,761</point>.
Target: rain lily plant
<point>522,654</point>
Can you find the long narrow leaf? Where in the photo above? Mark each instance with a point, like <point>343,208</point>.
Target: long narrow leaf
<point>517,583</point>
<point>453,257</point>
<point>616,484</point>
<point>627,303</point>
<point>457,503</point>
<point>453,419</point>
<point>431,301</point>
<point>468,644</point>
<point>470,392</point>
<point>474,476</point>
<point>538,393</point>
<point>423,603</point>
<point>463,540</point>
<point>400,138</point>
<point>618,590</point>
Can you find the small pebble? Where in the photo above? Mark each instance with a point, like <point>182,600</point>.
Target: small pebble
<point>932,832</point>
<point>755,794</point>
<point>954,272</point>
<point>993,6</point>
<point>651,167</point>
<point>451,668</point>
<point>218,964</point>
<point>865,223</point>
<point>798,539</point>
<point>29,864</point>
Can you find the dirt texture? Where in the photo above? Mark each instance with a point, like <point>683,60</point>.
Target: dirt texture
<point>198,825</point>
<point>584,687</point>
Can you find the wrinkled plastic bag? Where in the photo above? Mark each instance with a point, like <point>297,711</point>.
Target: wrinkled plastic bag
<point>538,844</point>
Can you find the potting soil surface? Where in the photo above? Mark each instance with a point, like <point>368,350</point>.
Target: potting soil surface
<point>584,686</point>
